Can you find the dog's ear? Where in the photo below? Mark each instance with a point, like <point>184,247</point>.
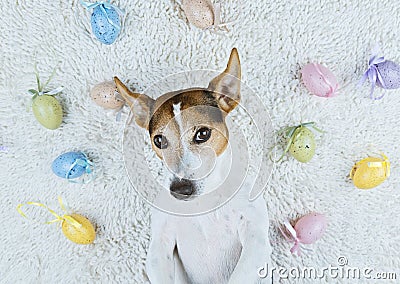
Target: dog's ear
<point>141,105</point>
<point>226,86</point>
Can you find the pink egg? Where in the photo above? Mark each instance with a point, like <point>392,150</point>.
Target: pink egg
<point>310,228</point>
<point>319,80</point>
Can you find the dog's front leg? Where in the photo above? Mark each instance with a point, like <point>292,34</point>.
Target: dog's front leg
<point>256,249</point>
<point>160,265</point>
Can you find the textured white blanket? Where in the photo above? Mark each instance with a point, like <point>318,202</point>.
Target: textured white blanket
<point>274,39</point>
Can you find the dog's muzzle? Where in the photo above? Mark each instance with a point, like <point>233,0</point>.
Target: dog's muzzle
<point>182,189</point>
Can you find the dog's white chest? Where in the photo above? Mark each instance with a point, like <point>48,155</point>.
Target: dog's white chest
<point>209,246</point>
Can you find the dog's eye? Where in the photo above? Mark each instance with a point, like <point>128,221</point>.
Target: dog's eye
<point>160,141</point>
<point>202,135</point>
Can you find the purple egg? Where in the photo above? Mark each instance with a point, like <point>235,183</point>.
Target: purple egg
<point>390,73</point>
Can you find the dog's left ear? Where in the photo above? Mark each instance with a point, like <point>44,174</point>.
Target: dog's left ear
<point>226,86</point>
<point>140,104</point>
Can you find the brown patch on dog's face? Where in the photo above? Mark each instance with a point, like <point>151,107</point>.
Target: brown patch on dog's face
<point>184,121</point>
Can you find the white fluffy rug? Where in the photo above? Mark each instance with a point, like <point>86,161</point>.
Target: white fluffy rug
<point>274,39</point>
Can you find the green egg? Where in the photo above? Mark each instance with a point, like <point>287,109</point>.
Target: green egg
<point>303,145</point>
<point>47,111</point>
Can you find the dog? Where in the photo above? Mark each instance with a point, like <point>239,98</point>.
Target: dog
<point>188,131</point>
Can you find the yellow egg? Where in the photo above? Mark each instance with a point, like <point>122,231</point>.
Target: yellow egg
<point>200,13</point>
<point>370,172</point>
<point>103,94</point>
<point>83,234</point>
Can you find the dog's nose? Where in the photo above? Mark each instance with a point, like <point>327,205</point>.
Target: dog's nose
<point>182,189</point>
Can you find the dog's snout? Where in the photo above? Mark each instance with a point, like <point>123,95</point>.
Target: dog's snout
<point>182,189</point>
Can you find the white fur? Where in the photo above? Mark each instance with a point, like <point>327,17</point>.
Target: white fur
<point>227,245</point>
<point>177,111</point>
<point>189,161</point>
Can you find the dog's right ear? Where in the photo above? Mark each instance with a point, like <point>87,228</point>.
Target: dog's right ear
<point>141,105</point>
<point>226,86</point>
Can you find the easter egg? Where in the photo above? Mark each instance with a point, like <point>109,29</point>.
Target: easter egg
<point>48,111</point>
<point>390,73</point>
<point>105,23</point>
<point>83,234</point>
<point>200,13</point>
<point>370,172</point>
<point>311,228</point>
<point>319,80</point>
<point>63,163</point>
<point>103,94</point>
<point>302,147</point>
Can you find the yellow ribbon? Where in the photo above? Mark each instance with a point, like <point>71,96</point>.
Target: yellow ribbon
<point>385,164</point>
<point>59,218</point>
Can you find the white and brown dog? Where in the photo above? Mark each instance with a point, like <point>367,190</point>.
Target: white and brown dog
<point>188,132</point>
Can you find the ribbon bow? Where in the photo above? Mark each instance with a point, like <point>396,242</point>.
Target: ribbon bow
<point>103,5</point>
<point>53,92</point>
<point>85,163</point>
<point>292,237</point>
<point>374,75</point>
<point>41,87</point>
<point>385,164</point>
<point>58,218</point>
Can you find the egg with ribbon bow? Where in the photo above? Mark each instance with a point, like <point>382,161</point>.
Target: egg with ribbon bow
<point>45,107</point>
<point>299,141</point>
<point>80,232</point>
<point>72,165</point>
<point>75,227</point>
<point>307,230</point>
<point>382,73</point>
<point>319,80</point>
<point>105,20</point>
<point>370,172</point>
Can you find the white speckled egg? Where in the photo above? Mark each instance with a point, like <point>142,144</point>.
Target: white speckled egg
<point>200,13</point>
<point>104,94</point>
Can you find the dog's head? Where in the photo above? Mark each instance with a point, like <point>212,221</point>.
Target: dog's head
<point>187,128</point>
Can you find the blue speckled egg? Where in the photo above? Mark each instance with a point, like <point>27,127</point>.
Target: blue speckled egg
<point>62,164</point>
<point>390,72</point>
<point>105,31</point>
